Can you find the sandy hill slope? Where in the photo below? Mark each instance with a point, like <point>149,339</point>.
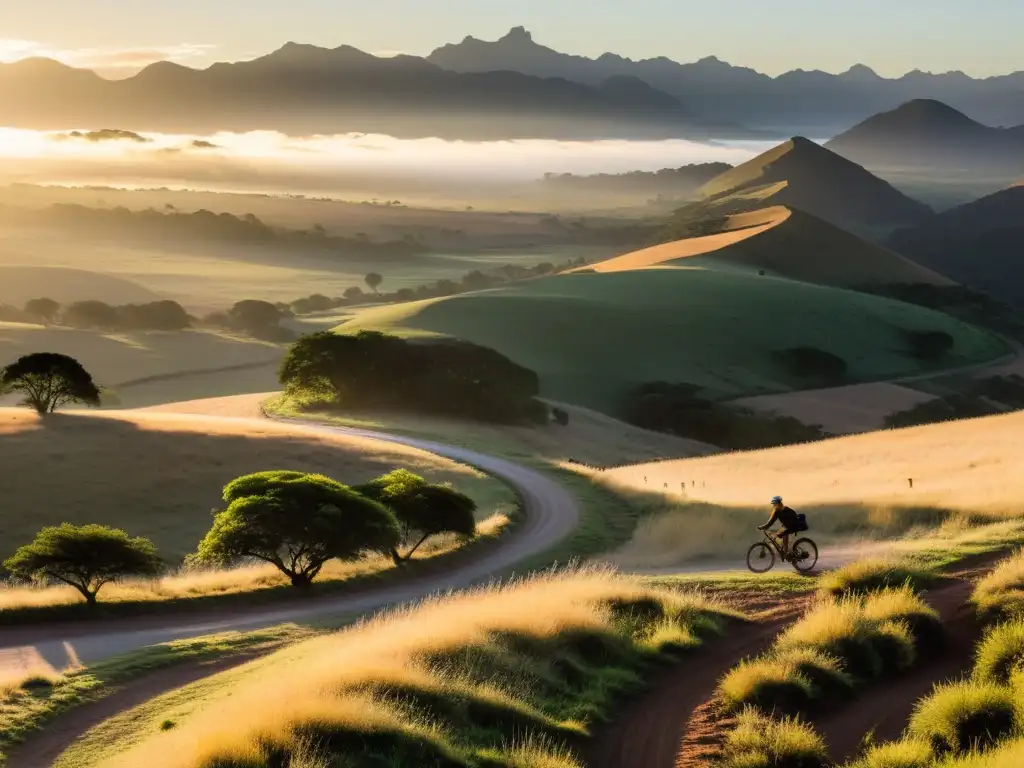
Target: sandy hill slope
<point>807,176</point>
<point>930,135</point>
<point>18,284</point>
<point>159,475</point>
<point>980,244</point>
<point>593,337</point>
<point>787,242</point>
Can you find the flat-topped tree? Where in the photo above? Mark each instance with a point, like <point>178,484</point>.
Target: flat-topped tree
<point>423,509</point>
<point>85,557</point>
<point>49,381</point>
<point>296,522</point>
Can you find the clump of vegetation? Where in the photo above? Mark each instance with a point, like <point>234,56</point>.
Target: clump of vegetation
<point>977,398</point>
<point>928,345</point>
<point>163,315</point>
<point>377,370</point>
<point>511,675</point>
<point>812,364</point>
<point>906,753</point>
<point>764,742</point>
<point>85,557</point>
<point>679,410</point>
<point>1000,594</point>
<point>1000,653</point>
<point>865,576</point>
<point>296,522</point>
<point>838,645</point>
<point>965,716</point>
<point>49,381</point>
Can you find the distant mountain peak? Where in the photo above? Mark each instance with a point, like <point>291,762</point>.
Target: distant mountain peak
<point>517,35</point>
<point>861,73</point>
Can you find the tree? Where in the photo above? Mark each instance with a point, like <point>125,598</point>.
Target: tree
<point>91,314</point>
<point>423,509</point>
<point>373,280</point>
<point>296,522</point>
<point>85,557</point>
<point>353,293</point>
<point>260,319</point>
<point>49,381</point>
<point>45,309</point>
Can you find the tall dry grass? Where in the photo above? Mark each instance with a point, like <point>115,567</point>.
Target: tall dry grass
<point>507,672</point>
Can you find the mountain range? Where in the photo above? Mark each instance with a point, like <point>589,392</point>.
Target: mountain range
<point>808,102</point>
<point>927,134</point>
<point>301,89</point>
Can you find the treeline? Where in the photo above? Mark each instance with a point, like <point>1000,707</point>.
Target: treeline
<point>295,521</point>
<point>683,180</point>
<point>203,225</point>
<point>984,397</point>
<point>471,281</point>
<point>370,370</point>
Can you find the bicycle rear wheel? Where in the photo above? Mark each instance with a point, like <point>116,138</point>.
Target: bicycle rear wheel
<point>760,558</point>
<point>804,555</point>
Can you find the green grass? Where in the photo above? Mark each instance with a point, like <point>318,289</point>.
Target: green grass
<point>871,574</point>
<point>908,753</point>
<point>593,337</point>
<point>1000,653</point>
<point>30,708</point>
<point>1000,594</point>
<point>961,717</point>
<point>764,742</point>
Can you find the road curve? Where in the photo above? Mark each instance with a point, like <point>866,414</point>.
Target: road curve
<point>550,513</point>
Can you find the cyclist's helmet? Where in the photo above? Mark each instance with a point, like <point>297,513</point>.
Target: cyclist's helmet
<point>776,499</point>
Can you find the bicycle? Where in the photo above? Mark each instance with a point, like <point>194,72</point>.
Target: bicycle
<point>803,555</point>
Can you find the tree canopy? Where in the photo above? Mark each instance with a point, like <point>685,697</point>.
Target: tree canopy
<point>49,381</point>
<point>297,522</point>
<point>85,557</point>
<point>45,309</point>
<point>423,509</point>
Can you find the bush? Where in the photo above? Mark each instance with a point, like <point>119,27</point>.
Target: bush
<point>768,684</point>
<point>1000,594</point>
<point>908,753</point>
<point>1000,653</point>
<point>376,370</point>
<point>964,716</point>
<point>812,363</point>
<point>84,557</point>
<point>928,345</point>
<point>865,576</point>
<point>763,742</point>
<point>904,606</point>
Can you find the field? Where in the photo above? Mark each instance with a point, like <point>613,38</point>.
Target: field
<point>160,475</point>
<point>852,488</point>
<point>518,670</point>
<point>788,243</point>
<point>593,337</point>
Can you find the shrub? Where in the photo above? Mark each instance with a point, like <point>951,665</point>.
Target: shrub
<point>767,684</point>
<point>964,716</point>
<point>864,576</point>
<point>928,345</point>
<point>1000,594</point>
<point>296,522</point>
<point>1000,653</point>
<point>49,381</point>
<point>763,742</point>
<point>905,607</point>
<point>84,557</point>
<point>907,753</point>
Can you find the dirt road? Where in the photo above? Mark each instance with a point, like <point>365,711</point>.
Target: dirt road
<point>550,512</point>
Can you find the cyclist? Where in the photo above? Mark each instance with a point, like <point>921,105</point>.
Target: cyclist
<point>787,517</point>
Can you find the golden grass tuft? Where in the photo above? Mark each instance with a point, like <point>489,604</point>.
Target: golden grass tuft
<point>764,742</point>
<point>514,667</point>
<point>1000,594</point>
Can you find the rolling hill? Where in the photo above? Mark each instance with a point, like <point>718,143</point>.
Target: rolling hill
<point>593,337</point>
<point>302,89</point>
<point>21,283</point>
<point>929,135</point>
<point>805,175</point>
<point>980,244</point>
<point>785,242</point>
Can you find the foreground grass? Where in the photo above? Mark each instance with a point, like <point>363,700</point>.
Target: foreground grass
<point>759,741</point>
<point>511,675</point>
<point>32,699</point>
<point>1000,594</point>
<point>240,587</point>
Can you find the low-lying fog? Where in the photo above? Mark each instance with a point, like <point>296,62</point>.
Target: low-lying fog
<point>267,161</point>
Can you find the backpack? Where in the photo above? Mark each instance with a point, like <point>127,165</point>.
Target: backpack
<point>802,519</point>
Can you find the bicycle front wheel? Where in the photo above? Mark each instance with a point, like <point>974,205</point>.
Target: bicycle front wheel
<point>804,555</point>
<point>760,558</point>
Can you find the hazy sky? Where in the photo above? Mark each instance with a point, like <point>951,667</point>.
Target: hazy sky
<point>980,37</point>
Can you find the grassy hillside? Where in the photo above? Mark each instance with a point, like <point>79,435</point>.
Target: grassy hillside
<point>963,472</point>
<point>20,283</point>
<point>159,475</point>
<point>594,337</point>
<point>786,242</point>
<point>816,180</point>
